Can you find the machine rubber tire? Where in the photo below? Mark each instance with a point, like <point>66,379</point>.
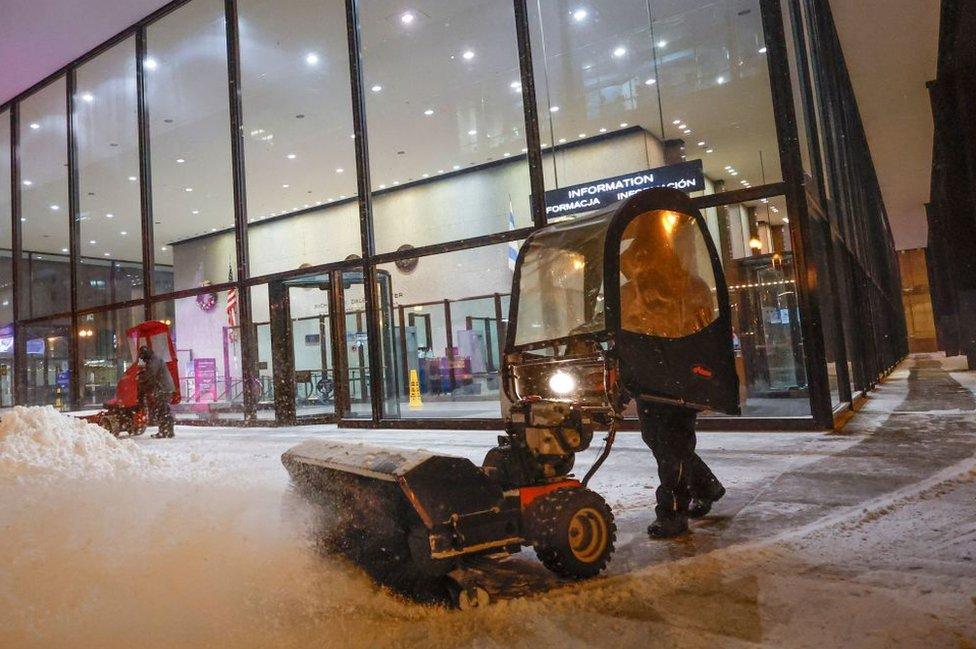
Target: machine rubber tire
<point>572,531</point>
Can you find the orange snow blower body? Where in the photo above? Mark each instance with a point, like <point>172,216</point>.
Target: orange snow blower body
<point>123,413</point>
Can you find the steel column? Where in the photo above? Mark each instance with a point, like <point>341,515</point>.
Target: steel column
<point>19,379</point>
<point>808,285</point>
<point>530,106</point>
<point>364,188</point>
<point>74,246</point>
<point>145,177</point>
<point>247,335</point>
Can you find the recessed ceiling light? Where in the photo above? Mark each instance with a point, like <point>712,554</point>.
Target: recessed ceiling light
<point>473,132</point>
<point>35,126</point>
<point>624,124</point>
<point>291,156</point>
<point>396,182</point>
<point>733,173</point>
<point>562,140</point>
<point>582,135</point>
<point>180,160</point>
<point>123,233</point>
<point>382,186</point>
<point>407,17</point>
<point>506,154</point>
<point>720,80</point>
<point>285,186</point>
<point>195,212</point>
<point>620,51</point>
<point>426,175</point>
<point>149,63</point>
<point>55,207</point>
<point>188,189</point>
<point>650,82</point>
<point>64,250</point>
<point>23,219</point>
<point>28,183</point>
<point>132,178</point>
<point>312,58</point>
<point>676,122</point>
<point>456,167</point>
<point>525,150</point>
<point>163,248</point>
<point>108,254</point>
<point>728,167</point>
<point>468,55</point>
<point>662,44</point>
<point>580,15</point>
<point>682,126</point>
<point>515,85</point>
<point>429,112</point>
<point>376,88</point>
<point>440,171</point>
<point>554,109</point>
<point>88,97</point>
<point>339,170</point>
<point>709,150</point>
<point>603,130</point>
<point>762,50</point>
<point>213,229</point>
<point>93,242</point>
<point>702,143</point>
<point>110,216</point>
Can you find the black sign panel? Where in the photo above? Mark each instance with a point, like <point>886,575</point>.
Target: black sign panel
<point>687,176</point>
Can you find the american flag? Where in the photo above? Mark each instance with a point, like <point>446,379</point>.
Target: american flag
<point>231,300</point>
<point>513,246</point>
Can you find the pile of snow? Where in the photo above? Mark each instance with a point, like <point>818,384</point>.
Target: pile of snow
<point>41,442</point>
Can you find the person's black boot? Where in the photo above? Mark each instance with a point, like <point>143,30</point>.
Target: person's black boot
<point>666,528</point>
<point>702,504</point>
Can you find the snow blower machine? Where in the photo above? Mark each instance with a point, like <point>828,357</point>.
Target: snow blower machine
<point>124,413</point>
<point>628,301</point>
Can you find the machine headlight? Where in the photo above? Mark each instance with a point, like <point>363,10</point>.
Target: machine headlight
<point>562,383</point>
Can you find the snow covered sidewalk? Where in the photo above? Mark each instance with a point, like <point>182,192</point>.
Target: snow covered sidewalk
<point>863,539</point>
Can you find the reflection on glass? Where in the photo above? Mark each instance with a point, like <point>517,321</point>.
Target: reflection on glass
<point>186,93</point>
<point>106,131</point>
<point>446,126</point>
<point>629,85</point>
<point>298,127</point>
<point>48,374</point>
<point>446,333</point>
<point>104,353</point>
<point>208,350</point>
<point>44,202</point>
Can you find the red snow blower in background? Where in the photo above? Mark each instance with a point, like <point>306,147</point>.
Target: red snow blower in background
<point>124,413</point>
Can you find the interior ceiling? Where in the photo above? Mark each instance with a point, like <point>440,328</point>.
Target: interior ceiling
<point>891,48</point>
<point>597,73</point>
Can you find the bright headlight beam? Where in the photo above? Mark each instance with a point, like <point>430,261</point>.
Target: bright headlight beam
<point>562,383</point>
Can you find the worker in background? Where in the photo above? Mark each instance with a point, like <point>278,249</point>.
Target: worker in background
<point>156,391</point>
<point>663,296</point>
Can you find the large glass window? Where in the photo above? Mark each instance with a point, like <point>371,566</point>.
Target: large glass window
<point>45,271</point>
<point>208,348</point>
<point>6,268</point>
<point>186,88</point>
<point>297,127</point>
<point>48,363</point>
<point>445,333</point>
<point>629,85</point>
<point>446,125</point>
<point>105,352</point>
<point>106,132</point>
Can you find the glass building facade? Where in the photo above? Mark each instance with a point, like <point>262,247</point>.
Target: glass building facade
<point>323,199</point>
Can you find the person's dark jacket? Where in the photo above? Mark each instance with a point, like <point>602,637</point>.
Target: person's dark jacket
<point>155,379</point>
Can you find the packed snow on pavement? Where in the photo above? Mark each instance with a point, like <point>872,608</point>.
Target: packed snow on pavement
<point>866,539</point>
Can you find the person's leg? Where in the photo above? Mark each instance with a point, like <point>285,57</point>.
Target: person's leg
<point>665,431</point>
<point>166,422</point>
<point>703,487</point>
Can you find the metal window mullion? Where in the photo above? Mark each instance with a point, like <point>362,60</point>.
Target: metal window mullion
<point>363,186</point>
<point>800,222</point>
<point>247,334</point>
<point>16,232</point>
<point>74,230</point>
<point>145,176</point>
<point>537,183</point>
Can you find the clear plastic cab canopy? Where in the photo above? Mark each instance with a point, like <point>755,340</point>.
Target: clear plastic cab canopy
<point>666,279</point>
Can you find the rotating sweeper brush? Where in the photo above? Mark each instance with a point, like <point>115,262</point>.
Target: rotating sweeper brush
<point>583,336</point>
